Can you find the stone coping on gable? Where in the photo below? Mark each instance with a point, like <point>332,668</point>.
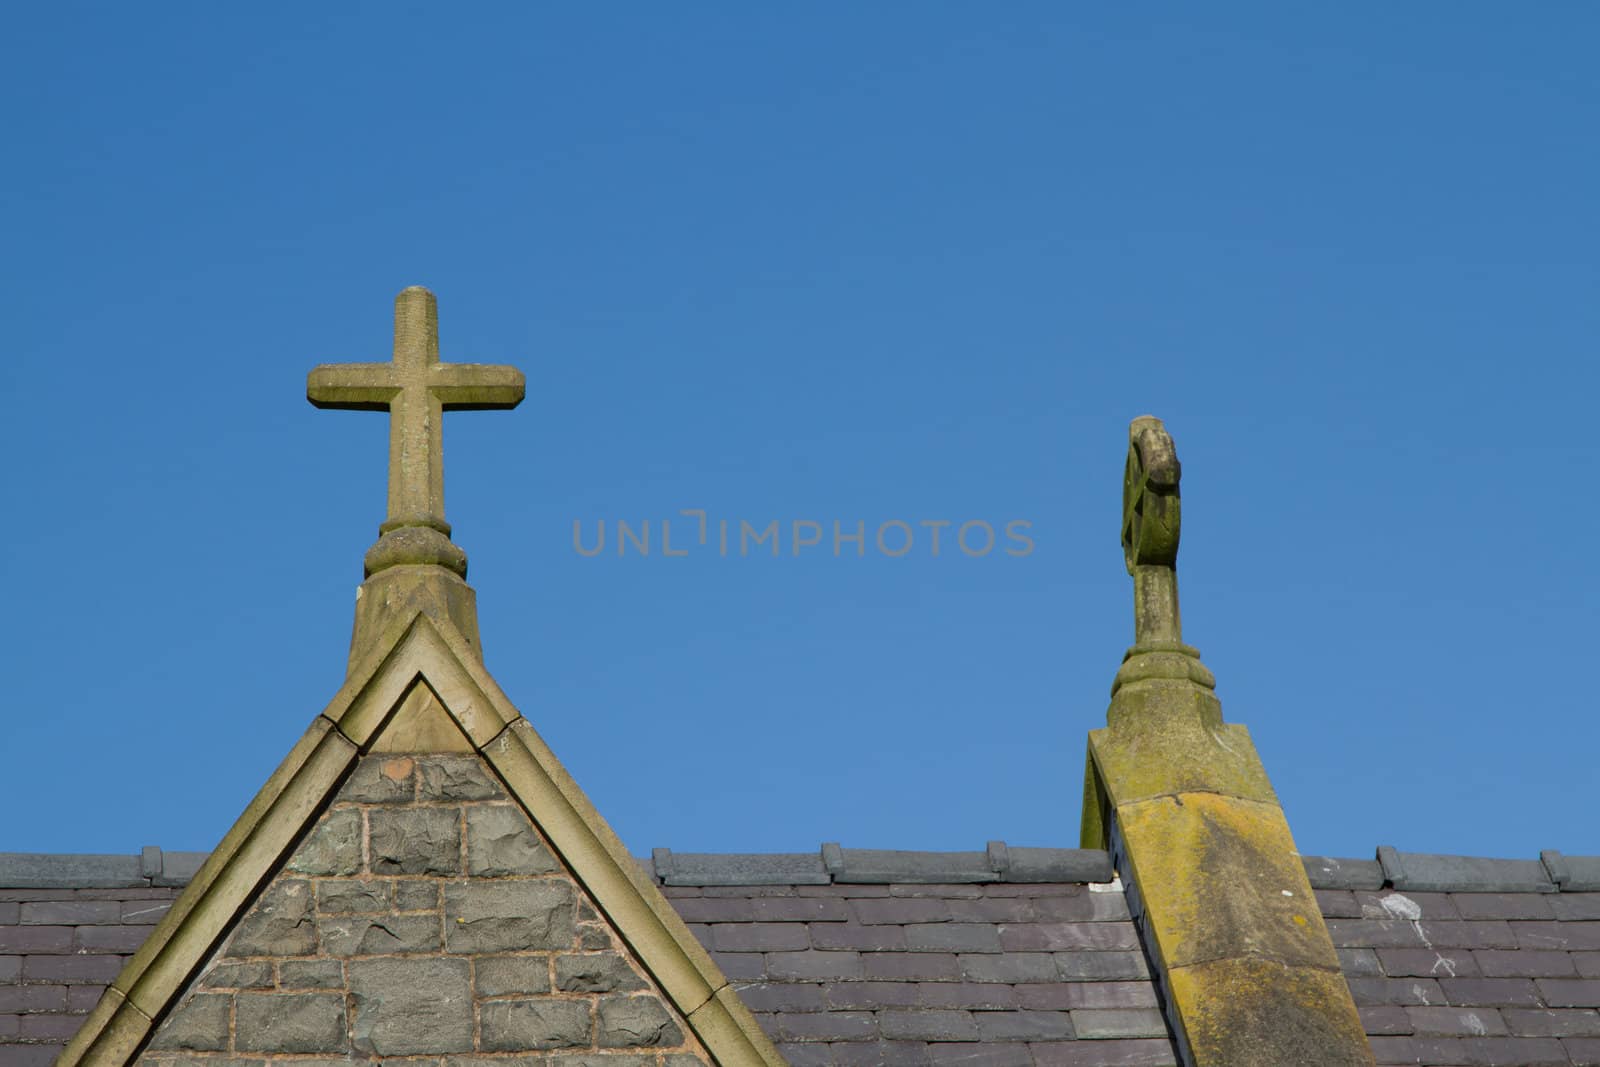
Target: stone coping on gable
<point>1552,872</point>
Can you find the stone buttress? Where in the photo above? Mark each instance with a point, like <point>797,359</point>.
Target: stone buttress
<point>1242,955</point>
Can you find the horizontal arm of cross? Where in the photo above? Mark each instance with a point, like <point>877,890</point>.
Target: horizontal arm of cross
<point>352,386</point>
<point>476,386</point>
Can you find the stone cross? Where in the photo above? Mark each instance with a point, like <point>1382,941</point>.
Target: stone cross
<point>1150,526</point>
<point>416,389</point>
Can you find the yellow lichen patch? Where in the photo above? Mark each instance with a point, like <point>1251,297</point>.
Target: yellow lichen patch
<point>1220,879</point>
<point>1160,749</point>
<point>1260,1013</point>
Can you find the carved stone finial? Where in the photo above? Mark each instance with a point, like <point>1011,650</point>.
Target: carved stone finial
<point>1151,517</point>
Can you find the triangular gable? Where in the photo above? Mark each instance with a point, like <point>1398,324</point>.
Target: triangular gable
<point>399,691</point>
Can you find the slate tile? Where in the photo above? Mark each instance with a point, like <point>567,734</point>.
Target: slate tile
<point>872,996</point>
<point>1026,1026</point>
<point>828,1026</point>
<point>1361,962</point>
<point>1552,1022</point>
<point>35,939</point>
<point>1527,963</point>
<point>742,966</point>
<point>1103,1023</point>
<point>953,937</point>
<point>993,910</point>
<point>899,911</point>
<point>1456,1022</point>
<point>931,1025</point>
<point>749,891</point>
<point>1489,992</point>
<point>1337,904</point>
<point>1582,1051</point>
<point>49,1027</point>
<point>1384,1019</point>
<point>812,1055</point>
<point>971,996</point>
<point>1422,1050</point>
<point>1428,963</point>
<point>70,912</point>
<point>1055,937</point>
<point>980,1054</point>
<point>1400,991</point>
<point>1569,993</point>
<point>786,997</point>
<point>1503,905</point>
<point>1588,963</point>
<point>916,966</point>
<point>1063,996</point>
<point>879,1054</point>
<point>813,965</point>
<point>21,999</point>
<point>1083,907</point>
<point>1516,1052</point>
<point>1575,906</point>
<point>934,889</point>
<point>1563,935</point>
<point>799,909</point>
<point>111,938</point>
<point>760,937</point>
<point>143,912</point>
<point>71,970</point>
<point>1136,1052</point>
<point>1434,906</point>
<point>1100,966</point>
<point>698,909</point>
<point>855,936</point>
<point>1012,967</point>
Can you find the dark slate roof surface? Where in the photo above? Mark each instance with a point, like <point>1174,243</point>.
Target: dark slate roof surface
<point>1005,956</point>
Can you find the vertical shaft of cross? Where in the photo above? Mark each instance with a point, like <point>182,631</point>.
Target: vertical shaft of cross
<point>416,451</point>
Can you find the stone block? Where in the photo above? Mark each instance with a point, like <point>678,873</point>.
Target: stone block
<point>350,896</point>
<point>311,974</point>
<point>381,780</point>
<point>636,1022</point>
<point>497,976</point>
<point>379,935</point>
<point>516,1025</point>
<point>333,846</point>
<point>252,975</point>
<point>407,1007</point>
<point>415,841</point>
<point>279,924</point>
<point>594,938</point>
<point>290,1022</point>
<point>508,916</point>
<point>457,778</point>
<point>199,1024</point>
<point>416,896</point>
<point>602,972</point>
<point>501,841</point>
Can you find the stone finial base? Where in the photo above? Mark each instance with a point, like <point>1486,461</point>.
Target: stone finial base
<point>392,596</point>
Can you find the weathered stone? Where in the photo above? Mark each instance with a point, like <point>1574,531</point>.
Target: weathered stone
<point>311,974</point>
<point>290,1022</point>
<point>605,972</point>
<point>636,1022</point>
<point>416,896</point>
<point>499,1061</point>
<point>415,841</point>
<point>684,1059</point>
<point>501,841</point>
<point>348,896</point>
<point>607,1059</point>
<point>280,923</point>
<point>334,847</point>
<point>199,1024</point>
<point>380,780</point>
<point>374,935</point>
<point>499,975</point>
<point>508,916</point>
<point>515,1025</point>
<point>411,1007</point>
<point>594,938</point>
<point>238,976</point>
<point>458,778</point>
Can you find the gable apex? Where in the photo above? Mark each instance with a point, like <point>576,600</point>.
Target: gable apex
<point>421,652</point>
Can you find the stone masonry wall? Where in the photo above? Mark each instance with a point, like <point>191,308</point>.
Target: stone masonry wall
<point>423,919</point>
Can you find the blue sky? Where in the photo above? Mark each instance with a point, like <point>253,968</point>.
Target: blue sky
<point>913,263</point>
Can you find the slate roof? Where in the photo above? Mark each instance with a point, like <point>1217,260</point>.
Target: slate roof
<point>1006,956</point>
